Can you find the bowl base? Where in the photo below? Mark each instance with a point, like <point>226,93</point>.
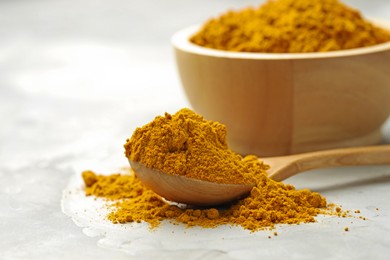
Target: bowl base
<point>371,138</point>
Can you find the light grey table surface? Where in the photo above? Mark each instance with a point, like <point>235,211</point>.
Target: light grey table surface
<point>77,77</point>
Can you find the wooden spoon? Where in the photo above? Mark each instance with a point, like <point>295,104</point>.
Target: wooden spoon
<point>203,193</point>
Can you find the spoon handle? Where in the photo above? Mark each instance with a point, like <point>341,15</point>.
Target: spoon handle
<point>293,164</point>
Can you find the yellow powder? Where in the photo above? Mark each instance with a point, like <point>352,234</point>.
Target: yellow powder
<point>187,144</point>
<point>268,204</point>
<point>291,26</point>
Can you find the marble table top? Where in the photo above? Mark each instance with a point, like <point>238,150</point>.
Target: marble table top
<point>76,78</point>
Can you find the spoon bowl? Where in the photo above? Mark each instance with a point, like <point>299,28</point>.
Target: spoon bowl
<point>188,190</point>
<point>204,193</point>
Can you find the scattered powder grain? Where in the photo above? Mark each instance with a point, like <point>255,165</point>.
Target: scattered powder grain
<point>185,143</point>
<point>268,204</point>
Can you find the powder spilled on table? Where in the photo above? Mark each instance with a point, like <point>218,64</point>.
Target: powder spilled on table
<point>185,143</point>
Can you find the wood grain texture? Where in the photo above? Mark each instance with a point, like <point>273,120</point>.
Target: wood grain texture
<point>190,191</point>
<point>289,103</point>
<point>340,102</point>
<point>284,167</point>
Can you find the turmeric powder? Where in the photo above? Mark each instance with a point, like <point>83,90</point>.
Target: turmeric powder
<point>291,26</point>
<point>186,143</point>
<point>268,204</point>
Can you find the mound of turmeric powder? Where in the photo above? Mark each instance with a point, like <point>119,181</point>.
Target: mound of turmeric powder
<point>187,144</point>
<point>291,26</point>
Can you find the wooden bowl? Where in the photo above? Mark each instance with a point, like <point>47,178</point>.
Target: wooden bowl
<point>278,104</point>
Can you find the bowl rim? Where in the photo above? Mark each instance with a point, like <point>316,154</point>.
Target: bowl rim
<point>180,40</point>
